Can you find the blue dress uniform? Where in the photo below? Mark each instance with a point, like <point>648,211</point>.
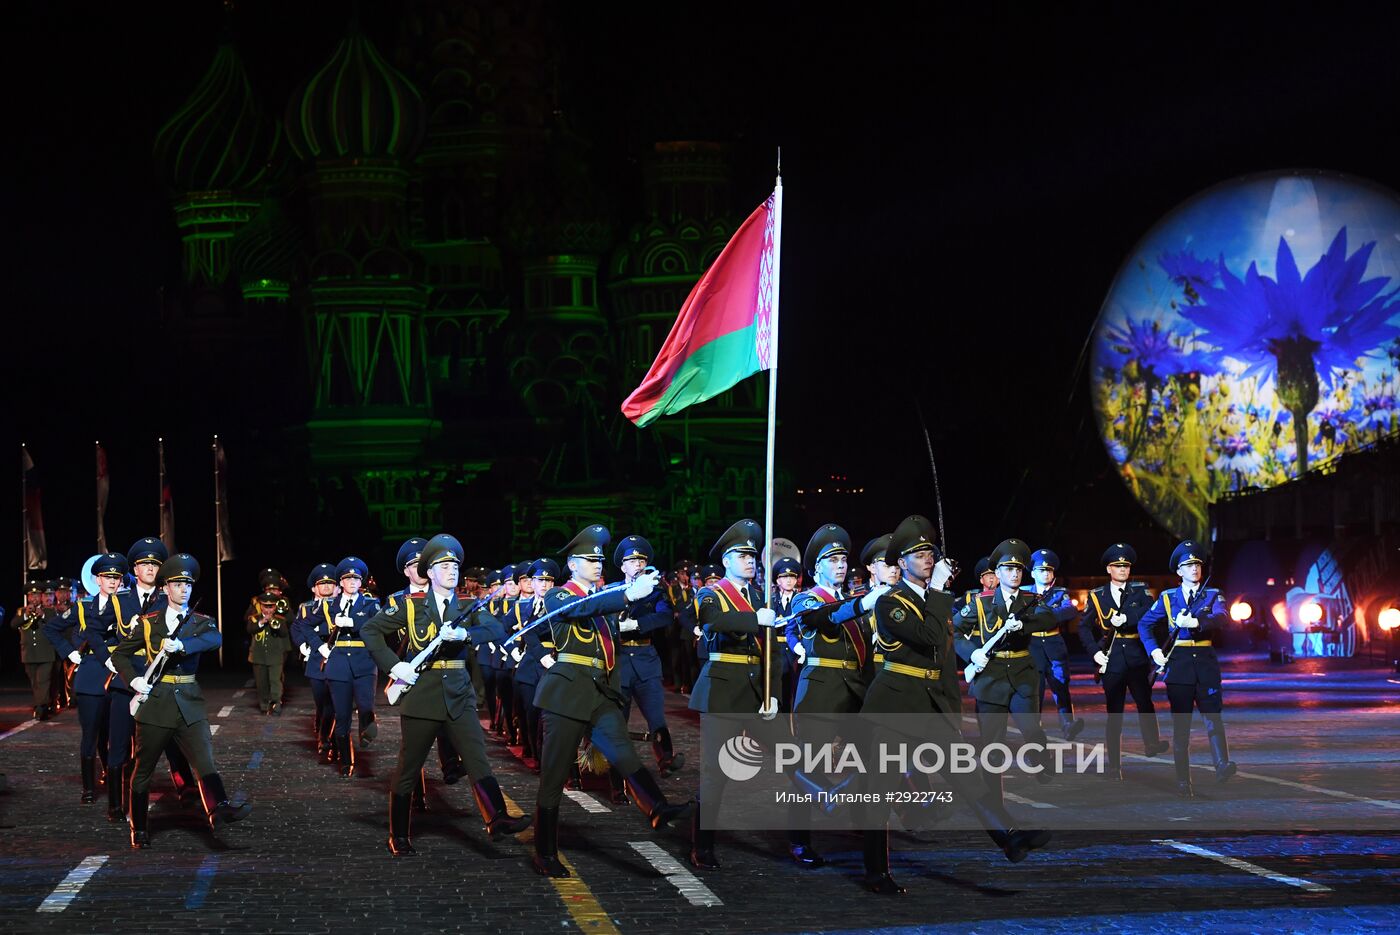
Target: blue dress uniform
<point>782,605</point>
<point>1192,667</point>
<point>440,697</point>
<point>582,693</point>
<point>639,661</point>
<point>174,710</point>
<point>350,673</point>
<point>97,621</point>
<point>311,629</point>
<point>1048,649</point>
<point>1127,669</point>
<point>529,651</point>
<point>486,654</point>
<point>1010,683</point>
<point>680,594</point>
<point>503,663</point>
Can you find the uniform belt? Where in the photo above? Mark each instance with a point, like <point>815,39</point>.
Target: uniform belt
<point>636,642</point>
<point>449,664</point>
<point>1013,654</point>
<point>737,658</point>
<point>178,679</point>
<point>1192,643</point>
<point>879,658</point>
<point>346,644</point>
<point>1127,636</point>
<point>1054,632</point>
<point>576,659</point>
<point>901,669</point>
<point>831,663</point>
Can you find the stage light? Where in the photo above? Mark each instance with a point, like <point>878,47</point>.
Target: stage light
<point>1240,611</point>
<point>1389,619</point>
<point>1310,613</point>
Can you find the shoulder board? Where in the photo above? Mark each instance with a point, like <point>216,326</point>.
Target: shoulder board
<point>67,613</point>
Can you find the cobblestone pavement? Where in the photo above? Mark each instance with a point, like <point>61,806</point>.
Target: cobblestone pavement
<point>312,857</point>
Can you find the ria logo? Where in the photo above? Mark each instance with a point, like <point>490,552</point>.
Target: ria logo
<point>740,758</point>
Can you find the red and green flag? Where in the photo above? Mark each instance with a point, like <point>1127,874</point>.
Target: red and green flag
<point>725,329</point>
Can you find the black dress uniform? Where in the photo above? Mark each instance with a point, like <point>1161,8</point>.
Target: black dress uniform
<point>1192,667</point>
<point>441,695</point>
<point>174,710</point>
<point>1048,649</point>
<point>312,628</point>
<point>36,652</point>
<point>582,692</point>
<point>918,675</point>
<point>1109,626</point>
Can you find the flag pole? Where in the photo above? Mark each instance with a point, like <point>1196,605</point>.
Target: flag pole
<point>160,489</point>
<point>218,555</point>
<point>772,440</point>
<point>24,522</point>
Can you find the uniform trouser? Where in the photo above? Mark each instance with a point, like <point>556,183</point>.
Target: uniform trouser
<point>1116,685</point>
<point>348,697</point>
<point>651,701</point>
<point>562,736</point>
<point>193,740</point>
<point>417,736</point>
<point>992,723</point>
<point>528,715</point>
<point>121,728</point>
<point>1182,699</point>
<point>505,697</point>
<point>1055,676</point>
<point>683,661</point>
<point>268,679</point>
<point>92,717</point>
<point>40,681</point>
<point>488,683</point>
<point>325,711</point>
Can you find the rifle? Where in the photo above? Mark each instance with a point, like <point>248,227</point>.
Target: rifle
<point>973,669</point>
<point>396,688</point>
<point>1196,607</point>
<point>157,667</point>
<point>524,630</point>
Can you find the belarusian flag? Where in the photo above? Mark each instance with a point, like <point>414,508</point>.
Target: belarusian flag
<point>725,328</point>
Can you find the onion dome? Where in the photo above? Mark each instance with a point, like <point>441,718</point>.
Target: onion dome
<point>219,139</point>
<point>264,254</point>
<point>356,106</point>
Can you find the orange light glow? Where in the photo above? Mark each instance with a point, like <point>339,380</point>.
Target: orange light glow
<point>1310,613</point>
<point>1240,611</point>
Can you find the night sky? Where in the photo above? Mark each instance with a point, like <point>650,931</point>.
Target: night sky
<point>959,191</point>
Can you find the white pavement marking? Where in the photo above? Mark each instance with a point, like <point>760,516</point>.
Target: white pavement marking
<point>590,805</point>
<point>63,894</point>
<point>214,728</point>
<point>1021,800</point>
<point>1306,787</point>
<point>1246,866</point>
<point>240,693</point>
<point>695,892</point>
<point>15,730</point>
<point>225,711</point>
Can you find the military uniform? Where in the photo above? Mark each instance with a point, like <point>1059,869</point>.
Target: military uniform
<point>530,652</point>
<point>1127,667</point>
<point>641,663</point>
<point>680,595</point>
<point>310,630</point>
<point>349,669</point>
<point>582,693</point>
<point>1192,667</point>
<point>267,651</point>
<point>1048,649</point>
<point>487,655</point>
<point>174,710</point>
<point>36,652</point>
<point>440,697</point>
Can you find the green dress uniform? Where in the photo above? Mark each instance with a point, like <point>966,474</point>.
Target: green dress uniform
<point>36,652</point>
<point>174,709</point>
<point>267,651</point>
<point>440,699</point>
<point>581,693</point>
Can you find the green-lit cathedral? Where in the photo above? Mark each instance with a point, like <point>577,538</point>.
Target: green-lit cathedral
<point>411,278</point>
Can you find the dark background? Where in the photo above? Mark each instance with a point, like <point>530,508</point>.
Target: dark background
<point>960,187</point>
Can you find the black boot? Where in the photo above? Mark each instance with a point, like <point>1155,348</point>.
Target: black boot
<point>668,760</point>
<point>420,792</point>
<point>216,803</point>
<point>1152,742</point>
<point>128,773</point>
<point>1220,748</point>
<point>801,851</point>
<point>181,776</point>
<point>546,857</point>
<point>1183,788</point>
<point>702,844</point>
<point>368,731</point>
<point>493,809</point>
<point>44,712</point>
<point>616,788</point>
<point>88,766</point>
<point>140,804</point>
<point>115,812</point>
<point>652,802</point>
<point>997,821</point>
<point>400,844</point>
<point>345,756</point>
<point>1070,726</point>
<point>453,771</point>
<point>876,848</point>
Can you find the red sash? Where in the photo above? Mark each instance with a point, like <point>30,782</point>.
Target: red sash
<point>605,637</point>
<point>852,627</point>
<point>736,597</point>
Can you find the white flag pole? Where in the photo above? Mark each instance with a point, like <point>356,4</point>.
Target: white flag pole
<point>770,707</point>
<point>218,555</point>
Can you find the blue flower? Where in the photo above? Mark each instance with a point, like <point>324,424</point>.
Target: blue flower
<point>1332,424</point>
<point>1118,451</point>
<point>1189,272</point>
<point>1158,352</point>
<point>1379,412</point>
<point>1238,454</point>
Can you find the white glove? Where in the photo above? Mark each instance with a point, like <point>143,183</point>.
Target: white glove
<point>1187,622</point>
<point>626,625</point>
<point>305,651</point>
<point>1160,658</point>
<point>979,658</point>
<point>767,617</point>
<point>1013,624</point>
<point>1101,658</point>
<point>343,621</point>
<point>403,671</point>
<point>941,573</point>
<point>547,661</point>
<point>74,658</point>
<point>517,654</point>
<point>800,652</point>
<point>490,647</point>
<point>867,602</point>
<point>697,631</point>
<point>451,634</point>
<point>1118,619</point>
<point>642,586</point>
<point>324,650</point>
<point>140,685</point>
<point>110,668</point>
<point>172,646</point>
